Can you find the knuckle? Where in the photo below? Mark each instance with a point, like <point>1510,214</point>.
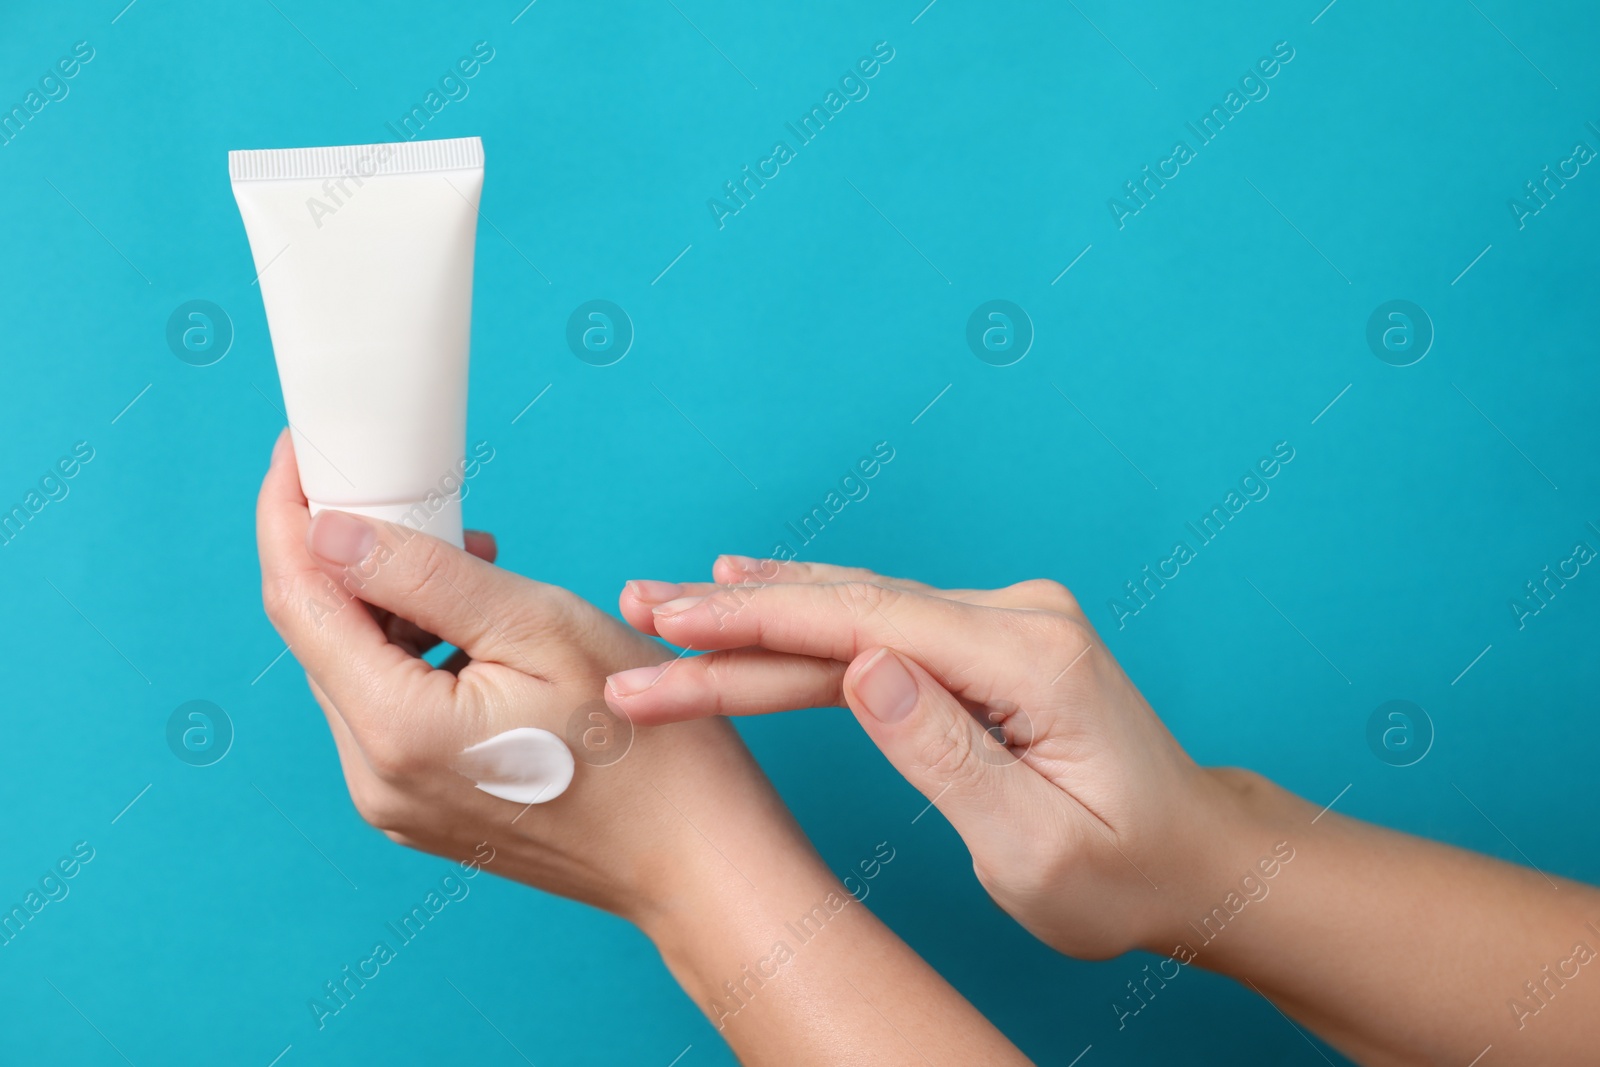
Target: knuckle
<point>1027,873</point>
<point>1045,593</point>
<point>400,729</point>
<point>846,596</point>
<point>276,595</point>
<point>380,808</point>
<point>1059,633</point>
<point>995,882</point>
<point>527,613</point>
<point>714,673</point>
<point>862,599</point>
<point>1036,873</point>
<point>848,574</point>
<point>390,757</point>
<point>948,756</point>
<point>698,682</point>
<point>425,571</point>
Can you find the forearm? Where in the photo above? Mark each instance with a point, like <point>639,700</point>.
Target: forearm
<point>1394,948</point>
<point>793,970</point>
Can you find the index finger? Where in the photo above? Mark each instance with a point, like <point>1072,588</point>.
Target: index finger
<point>839,620</point>
<point>332,635</point>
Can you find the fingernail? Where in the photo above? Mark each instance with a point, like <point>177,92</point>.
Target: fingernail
<point>654,592</point>
<point>279,447</point>
<point>637,680</point>
<point>341,538</point>
<point>677,607</point>
<point>886,688</point>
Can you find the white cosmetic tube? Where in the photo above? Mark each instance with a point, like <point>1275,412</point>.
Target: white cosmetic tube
<point>364,257</point>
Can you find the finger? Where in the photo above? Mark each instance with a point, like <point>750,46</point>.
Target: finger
<point>967,645</point>
<point>373,797</point>
<point>491,614</point>
<point>1038,594</point>
<point>737,570</point>
<point>640,596</point>
<point>936,744</point>
<point>744,681</point>
<point>407,634</point>
<point>482,544</point>
<point>386,699</point>
<point>330,632</point>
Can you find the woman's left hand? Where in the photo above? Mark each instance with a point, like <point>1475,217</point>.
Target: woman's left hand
<point>359,601</point>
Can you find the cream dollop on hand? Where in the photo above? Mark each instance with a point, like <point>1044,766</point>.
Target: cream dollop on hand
<point>526,765</point>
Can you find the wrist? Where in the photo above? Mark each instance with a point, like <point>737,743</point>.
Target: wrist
<point>723,937</point>
<point>720,888</point>
<point>1234,850</point>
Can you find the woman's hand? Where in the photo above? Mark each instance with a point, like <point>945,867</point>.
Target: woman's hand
<point>1089,825</point>
<point>673,828</point>
<point>531,655</point>
<point>1085,819</point>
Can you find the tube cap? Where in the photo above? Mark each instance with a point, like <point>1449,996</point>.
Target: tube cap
<point>445,523</point>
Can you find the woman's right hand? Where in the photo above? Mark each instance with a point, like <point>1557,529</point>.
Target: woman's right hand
<point>1095,830</point>
<point>1085,819</point>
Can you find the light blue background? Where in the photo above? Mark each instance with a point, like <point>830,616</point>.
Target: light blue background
<point>807,329</point>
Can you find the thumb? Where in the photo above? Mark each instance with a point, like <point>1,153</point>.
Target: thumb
<point>933,740</point>
<point>445,590</point>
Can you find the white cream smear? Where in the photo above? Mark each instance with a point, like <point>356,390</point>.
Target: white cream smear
<point>526,765</point>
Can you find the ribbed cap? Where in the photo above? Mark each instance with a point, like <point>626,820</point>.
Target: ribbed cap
<point>363,160</point>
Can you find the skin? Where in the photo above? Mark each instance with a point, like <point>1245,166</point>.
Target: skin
<point>682,835</point>
<point>1089,824</point>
